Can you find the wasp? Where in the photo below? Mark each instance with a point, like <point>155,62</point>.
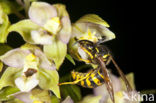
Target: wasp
<point>91,79</point>
<point>99,55</point>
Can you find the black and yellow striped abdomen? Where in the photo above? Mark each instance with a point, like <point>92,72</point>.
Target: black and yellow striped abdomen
<point>91,80</point>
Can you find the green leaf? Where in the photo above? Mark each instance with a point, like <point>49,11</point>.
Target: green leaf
<point>1,66</point>
<point>4,25</point>
<point>24,28</point>
<point>71,90</point>
<point>56,51</point>
<point>6,92</point>
<point>48,80</point>
<point>93,18</point>
<point>4,48</point>
<point>10,6</point>
<point>70,59</point>
<point>54,99</point>
<point>9,77</point>
<point>91,99</point>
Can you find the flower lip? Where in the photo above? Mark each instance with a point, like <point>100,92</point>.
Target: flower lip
<point>30,72</point>
<point>27,84</point>
<point>41,37</point>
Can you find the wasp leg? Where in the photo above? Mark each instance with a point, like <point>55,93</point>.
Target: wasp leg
<point>107,79</point>
<point>84,60</point>
<point>128,86</point>
<point>76,81</point>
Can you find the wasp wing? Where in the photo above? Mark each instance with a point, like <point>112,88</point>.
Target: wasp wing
<point>107,79</point>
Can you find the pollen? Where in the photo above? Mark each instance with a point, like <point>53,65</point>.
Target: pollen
<point>31,57</point>
<point>92,36</point>
<point>53,25</point>
<point>37,101</point>
<point>89,36</point>
<point>119,94</point>
<point>56,20</point>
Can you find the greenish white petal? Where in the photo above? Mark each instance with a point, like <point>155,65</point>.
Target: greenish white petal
<point>6,93</point>
<point>57,52</point>
<point>94,30</point>
<point>8,77</point>
<point>34,96</point>
<point>14,58</point>
<point>65,32</point>
<point>109,35</point>
<point>53,25</point>
<point>49,79</point>
<point>61,10</point>
<point>41,37</point>
<point>24,97</point>
<point>91,99</point>
<point>93,18</point>
<point>40,12</point>
<point>4,25</point>
<point>24,28</point>
<point>44,62</point>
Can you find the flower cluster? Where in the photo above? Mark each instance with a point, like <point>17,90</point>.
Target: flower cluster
<point>29,73</point>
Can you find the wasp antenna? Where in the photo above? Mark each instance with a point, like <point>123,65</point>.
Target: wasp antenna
<point>128,86</point>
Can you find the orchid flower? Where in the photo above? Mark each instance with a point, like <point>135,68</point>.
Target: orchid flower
<point>89,27</point>
<point>53,20</point>
<point>92,27</point>
<point>47,23</point>
<point>34,69</point>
